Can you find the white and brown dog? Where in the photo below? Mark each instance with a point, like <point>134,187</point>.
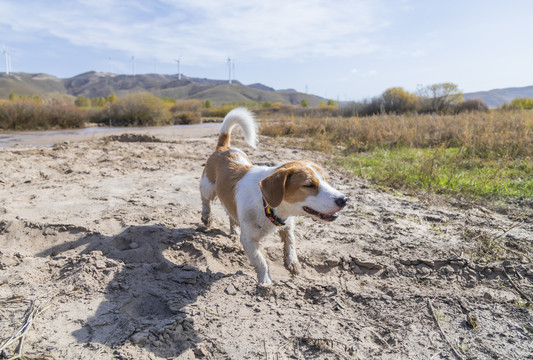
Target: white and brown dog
<point>263,199</point>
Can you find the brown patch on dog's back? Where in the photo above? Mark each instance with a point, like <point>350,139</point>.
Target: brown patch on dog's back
<point>224,170</point>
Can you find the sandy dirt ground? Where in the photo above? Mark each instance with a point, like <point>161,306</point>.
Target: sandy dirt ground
<point>103,256</point>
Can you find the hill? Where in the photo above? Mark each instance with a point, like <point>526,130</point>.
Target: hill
<point>95,84</point>
<point>498,97</point>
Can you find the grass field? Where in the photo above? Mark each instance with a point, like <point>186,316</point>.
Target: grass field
<point>485,155</point>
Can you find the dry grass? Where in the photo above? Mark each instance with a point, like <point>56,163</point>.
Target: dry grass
<point>499,133</point>
<point>35,115</point>
<point>480,154</point>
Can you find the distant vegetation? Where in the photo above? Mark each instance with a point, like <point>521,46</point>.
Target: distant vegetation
<point>444,98</point>
<point>520,104</point>
<point>474,154</point>
<point>32,114</point>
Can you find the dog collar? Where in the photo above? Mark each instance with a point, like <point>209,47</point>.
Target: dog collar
<point>269,213</point>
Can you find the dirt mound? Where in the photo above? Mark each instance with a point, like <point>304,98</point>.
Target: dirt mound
<point>102,240</point>
<point>132,138</point>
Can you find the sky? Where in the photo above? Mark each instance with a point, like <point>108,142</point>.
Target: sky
<point>338,49</point>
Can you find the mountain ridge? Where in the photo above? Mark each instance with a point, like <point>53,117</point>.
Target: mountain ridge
<point>98,84</point>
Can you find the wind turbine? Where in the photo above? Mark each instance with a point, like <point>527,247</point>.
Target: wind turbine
<point>8,59</point>
<point>229,70</point>
<point>133,65</point>
<point>178,63</point>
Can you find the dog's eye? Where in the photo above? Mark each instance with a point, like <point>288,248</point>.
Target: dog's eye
<point>310,185</point>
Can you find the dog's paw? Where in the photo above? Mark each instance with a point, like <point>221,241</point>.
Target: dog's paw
<point>206,221</point>
<point>293,266</point>
<point>265,280</point>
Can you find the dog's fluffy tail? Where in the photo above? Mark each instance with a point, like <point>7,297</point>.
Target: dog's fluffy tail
<point>245,119</point>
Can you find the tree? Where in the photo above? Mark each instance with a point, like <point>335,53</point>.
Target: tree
<point>304,103</point>
<point>111,98</point>
<point>98,102</point>
<point>397,100</point>
<point>82,101</point>
<point>522,103</point>
<point>332,103</point>
<point>441,98</point>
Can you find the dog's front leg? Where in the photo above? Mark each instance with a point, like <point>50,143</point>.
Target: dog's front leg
<point>289,248</point>
<point>252,249</point>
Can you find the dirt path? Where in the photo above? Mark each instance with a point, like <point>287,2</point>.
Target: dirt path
<point>104,235</point>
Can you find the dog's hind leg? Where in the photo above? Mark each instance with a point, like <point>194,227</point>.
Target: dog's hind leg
<point>208,194</point>
<point>233,226</point>
<point>289,248</point>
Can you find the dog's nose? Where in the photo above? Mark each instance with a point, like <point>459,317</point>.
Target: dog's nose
<point>341,201</point>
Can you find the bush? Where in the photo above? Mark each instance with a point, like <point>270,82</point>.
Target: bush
<point>519,104</point>
<point>82,101</point>
<point>187,112</point>
<point>470,106</point>
<point>138,109</point>
<point>32,115</point>
<point>398,101</point>
<point>218,112</point>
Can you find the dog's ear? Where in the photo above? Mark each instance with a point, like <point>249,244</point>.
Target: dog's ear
<point>273,186</point>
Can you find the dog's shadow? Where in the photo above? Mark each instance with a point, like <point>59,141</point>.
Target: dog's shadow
<point>146,294</point>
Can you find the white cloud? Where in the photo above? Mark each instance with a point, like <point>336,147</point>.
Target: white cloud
<point>204,30</point>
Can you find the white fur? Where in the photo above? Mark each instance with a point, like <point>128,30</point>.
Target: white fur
<point>245,119</point>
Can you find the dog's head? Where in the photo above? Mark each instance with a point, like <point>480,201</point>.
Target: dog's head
<point>303,189</point>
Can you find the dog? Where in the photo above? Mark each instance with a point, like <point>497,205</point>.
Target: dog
<point>263,199</point>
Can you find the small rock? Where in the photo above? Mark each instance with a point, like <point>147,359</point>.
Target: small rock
<point>49,232</point>
<point>405,261</point>
<point>368,264</point>
<point>434,218</point>
<point>498,269</point>
<point>459,263</point>
<point>230,290</point>
<point>471,320</point>
<point>429,263</point>
<point>134,245</point>
<point>201,351</point>
<point>448,270</point>
<point>139,338</point>
<point>188,268</point>
<point>187,277</point>
<point>488,296</point>
<point>423,269</point>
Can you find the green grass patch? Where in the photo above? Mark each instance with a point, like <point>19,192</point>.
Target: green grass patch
<point>444,170</point>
